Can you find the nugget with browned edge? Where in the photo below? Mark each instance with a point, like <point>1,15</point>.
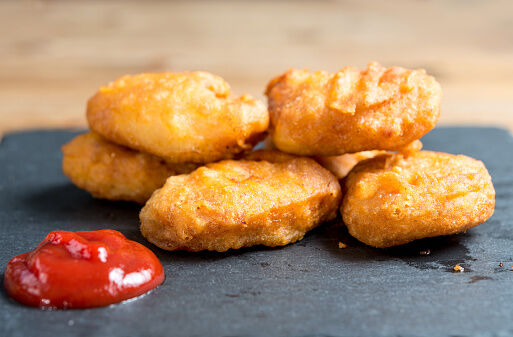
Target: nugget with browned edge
<point>323,114</point>
<point>181,117</point>
<point>341,165</point>
<point>114,172</point>
<point>233,204</point>
<point>395,198</point>
<point>272,156</point>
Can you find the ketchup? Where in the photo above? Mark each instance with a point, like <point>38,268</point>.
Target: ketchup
<point>82,270</point>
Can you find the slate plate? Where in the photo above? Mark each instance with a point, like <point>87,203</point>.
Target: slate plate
<point>311,288</point>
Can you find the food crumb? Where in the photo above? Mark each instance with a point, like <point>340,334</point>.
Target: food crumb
<point>501,264</point>
<point>458,268</point>
<point>342,245</point>
<point>425,252</point>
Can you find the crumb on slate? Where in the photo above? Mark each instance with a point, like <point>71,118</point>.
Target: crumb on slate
<point>458,268</point>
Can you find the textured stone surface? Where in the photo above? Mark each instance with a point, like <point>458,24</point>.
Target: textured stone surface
<point>311,288</point>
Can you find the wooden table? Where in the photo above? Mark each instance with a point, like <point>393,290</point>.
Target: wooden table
<point>54,55</point>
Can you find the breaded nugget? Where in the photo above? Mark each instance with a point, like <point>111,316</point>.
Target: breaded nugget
<point>340,166</point>
<point>394,199</point>
<point>181,117</point>
<point>272,156</point>
<point>114,172</point>
<point>322,114</point>
<point>233,204</point>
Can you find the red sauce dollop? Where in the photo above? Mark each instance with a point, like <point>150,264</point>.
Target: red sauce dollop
<point>82,270</point>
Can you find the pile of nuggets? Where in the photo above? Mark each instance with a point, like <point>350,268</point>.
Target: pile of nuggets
<point>182,144</point>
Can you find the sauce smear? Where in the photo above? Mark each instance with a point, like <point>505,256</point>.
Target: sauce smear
<point>82,270</point>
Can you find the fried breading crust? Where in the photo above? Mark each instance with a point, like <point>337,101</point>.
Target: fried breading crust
<point>340,166</point>
<point>233,204</point>
<point>181,117</point>
<point>114,172</point>
<point>393,199</point>
<point>351,111</point>
<point>272,156</point>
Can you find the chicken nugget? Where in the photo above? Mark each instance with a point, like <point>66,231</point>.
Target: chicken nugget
<point>272,156</point>
<point>393,199</point>
<point>181,117</point>
<point>114,172</point>
<point>340,166</point>
<point>233,204</point>
<point>322,114</point>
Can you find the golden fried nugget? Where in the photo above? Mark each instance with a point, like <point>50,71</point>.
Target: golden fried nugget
<point>272,156</point>
<point>393,199</point>
<point>340,166</point>
<point>411,148</point>
<point>181,117</point>
<point>233,204</point>
<point>114,172</point>
<point>350,111</point>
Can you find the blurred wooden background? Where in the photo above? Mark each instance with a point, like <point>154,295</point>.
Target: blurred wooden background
<point>55,54</point>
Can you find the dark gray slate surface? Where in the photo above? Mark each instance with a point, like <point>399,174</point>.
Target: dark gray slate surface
<point>310,288</point>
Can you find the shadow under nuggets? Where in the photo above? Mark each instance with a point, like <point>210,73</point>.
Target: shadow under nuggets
<point>440,253</point>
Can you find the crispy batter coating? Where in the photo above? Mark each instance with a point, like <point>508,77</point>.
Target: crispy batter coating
<point>351,111</point>
<point>233,204</point>
<point>181,117</point>
<point>272,156</point>
<point>110,171</point>
<point>393,199</point>
<point>340,166</point>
